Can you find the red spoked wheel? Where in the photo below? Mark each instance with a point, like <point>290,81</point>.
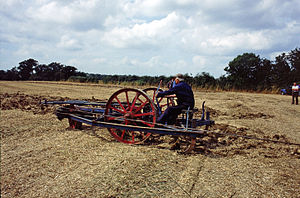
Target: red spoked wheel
<point>75,124</point>
<point>164,102</point>
<point>130,107</point>
<point>72,123</point>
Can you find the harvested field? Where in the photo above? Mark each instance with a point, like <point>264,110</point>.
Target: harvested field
<point>42,157</point>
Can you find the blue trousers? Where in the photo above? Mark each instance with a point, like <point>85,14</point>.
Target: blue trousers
<point>170,114</point>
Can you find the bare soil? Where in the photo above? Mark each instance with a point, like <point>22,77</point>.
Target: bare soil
<point>42,157</point>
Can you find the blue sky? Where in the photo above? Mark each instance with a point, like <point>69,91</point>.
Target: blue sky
<point>146,37</point>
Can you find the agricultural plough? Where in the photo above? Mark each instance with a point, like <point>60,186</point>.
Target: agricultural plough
<point>130,116</point>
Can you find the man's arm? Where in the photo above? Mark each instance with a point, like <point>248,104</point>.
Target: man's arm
<point>168,92</point>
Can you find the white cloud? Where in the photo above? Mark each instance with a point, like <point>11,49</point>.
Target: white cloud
<point>199,61</point>
<point>152,33</point>
<point>51,12</point>
<point>247,40</point>
<point>68,43</point>
<point>77,14</point>
<point>72,62</point>
<point>144,8</point>
<point>99,60</point>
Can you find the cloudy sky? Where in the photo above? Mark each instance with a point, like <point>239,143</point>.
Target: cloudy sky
<point>146,37</point>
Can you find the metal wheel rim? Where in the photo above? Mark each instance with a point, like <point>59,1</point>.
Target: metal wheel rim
<point>130,112</point>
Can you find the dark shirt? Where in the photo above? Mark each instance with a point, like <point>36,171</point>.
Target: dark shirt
<point>184,94</point>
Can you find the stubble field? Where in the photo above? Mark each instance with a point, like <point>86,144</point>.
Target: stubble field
<point>42,157</point>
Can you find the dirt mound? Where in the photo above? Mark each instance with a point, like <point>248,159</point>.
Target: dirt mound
<point>252,115</point>
<point>226,140</point>
<point>27,102</point>
<point>240,114</point>
<point>213,112</point>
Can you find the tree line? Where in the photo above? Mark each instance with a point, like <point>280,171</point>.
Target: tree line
<point>31,70</point>
<point>245,72</point>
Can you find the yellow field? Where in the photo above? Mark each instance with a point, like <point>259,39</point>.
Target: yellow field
<point>42,157</point>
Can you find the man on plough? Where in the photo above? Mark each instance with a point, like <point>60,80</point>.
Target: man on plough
<point>185,100</point>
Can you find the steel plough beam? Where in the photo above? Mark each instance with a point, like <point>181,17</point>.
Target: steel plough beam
<point>162,131</point>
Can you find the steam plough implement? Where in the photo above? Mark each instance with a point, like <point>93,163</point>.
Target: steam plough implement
<point>130,116</point>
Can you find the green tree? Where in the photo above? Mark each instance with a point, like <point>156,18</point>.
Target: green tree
<point>264,74</point>
<point>204,80</point>
<point>294,59</point>
<point>68,71</point>
<point>223,83</point>
<point>26,68</point>
<point>281,71</point>
<point>242,71</point>
<point>55,71</point>
<point>2,75</point>
<point>12,74</point>
<point>42,72</point>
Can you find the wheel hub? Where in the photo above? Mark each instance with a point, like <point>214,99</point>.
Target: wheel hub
<point>129,115</point>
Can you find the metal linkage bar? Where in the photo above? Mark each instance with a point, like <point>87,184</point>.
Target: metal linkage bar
<point>79,103</point>
<point>162,131</point>
<point>74,102</point>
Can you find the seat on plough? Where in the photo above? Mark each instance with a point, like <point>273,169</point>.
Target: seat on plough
<point>188,113</point>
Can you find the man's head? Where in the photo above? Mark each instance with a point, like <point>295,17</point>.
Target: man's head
<point>295,83</point>
<point>179,78</point>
